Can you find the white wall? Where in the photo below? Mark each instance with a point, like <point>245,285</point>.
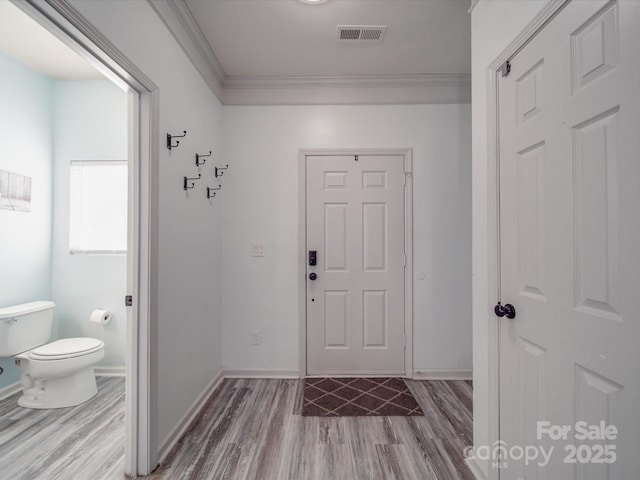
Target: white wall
<point>188,324</point>
<point>26,113</point>
<point>90,123</point>
<point>494,24</point>
<point>259,198</point>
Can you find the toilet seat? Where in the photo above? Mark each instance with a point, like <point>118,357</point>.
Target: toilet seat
<point>66,348</point>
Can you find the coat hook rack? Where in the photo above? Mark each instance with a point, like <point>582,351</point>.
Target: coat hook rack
<point>169,137</point>
<point>198,157</point>
<point>218,172</point>
<point>186,186</point>
<point>209,190</point>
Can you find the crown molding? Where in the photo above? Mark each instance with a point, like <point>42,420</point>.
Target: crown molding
<point>347,90</point>
<point>358,81</point>
<point>304,90</point>
<point>183,26</point>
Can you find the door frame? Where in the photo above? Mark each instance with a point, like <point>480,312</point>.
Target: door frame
<point>533,28</point>
<point>62,20</point>
<point>407,156</point>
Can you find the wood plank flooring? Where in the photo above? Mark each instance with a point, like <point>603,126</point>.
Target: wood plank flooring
<point>249,429</point>
<point>253,429</point>
<point>76,443</point>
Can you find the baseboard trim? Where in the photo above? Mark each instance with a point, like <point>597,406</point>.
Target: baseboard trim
<point>278,374</point>
<point>118,371</point>
<point>11,389</point>
<point>475,469</point>
<point>189,416</point>
<point>452,374</point>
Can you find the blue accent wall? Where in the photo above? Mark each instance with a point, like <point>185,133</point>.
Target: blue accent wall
<point>26,123</point>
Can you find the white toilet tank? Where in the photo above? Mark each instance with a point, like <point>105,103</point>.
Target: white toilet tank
<point>24,327</point>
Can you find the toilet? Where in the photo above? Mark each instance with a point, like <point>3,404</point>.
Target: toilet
<point>54,375</point>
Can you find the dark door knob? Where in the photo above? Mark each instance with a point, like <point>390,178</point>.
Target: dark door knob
<point>313,276</point>
<point>506,310</point>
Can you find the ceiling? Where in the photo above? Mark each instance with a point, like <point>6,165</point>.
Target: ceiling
<point>253,52</point>
<point>32,45</point>
<point>268,38</point>
<point>286,52</point>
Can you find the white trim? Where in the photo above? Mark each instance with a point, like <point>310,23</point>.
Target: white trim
<point>408,268</point>
<point>302,263</point>
<point>189,416</point>
<point>550,10</point>
<point>347,90</point>
<point>475,469</point>
<point>407,154</point>
<point>11,389</point>
<point>493,413</point>
<point>473,5</point>
<point>276,374</point>
<point>444,374</point>
<point>119,371</point>
<point>180,22</point>
<point>304,90</point>
<point>61,19</point>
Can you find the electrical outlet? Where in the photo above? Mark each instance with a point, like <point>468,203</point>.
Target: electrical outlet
<point>256,337</point>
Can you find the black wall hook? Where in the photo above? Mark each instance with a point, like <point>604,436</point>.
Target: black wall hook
<point>209,190</point>
<point>169,137</point>
<point>198,157</point>
<point>186,186</point>
<point>218,172</point>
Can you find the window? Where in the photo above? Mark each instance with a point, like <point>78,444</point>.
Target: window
<point>98,207</point>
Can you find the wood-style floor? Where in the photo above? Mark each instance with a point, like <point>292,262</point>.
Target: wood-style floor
<point>252,429</point>
<point>76,443</point>
<point>249,429</point>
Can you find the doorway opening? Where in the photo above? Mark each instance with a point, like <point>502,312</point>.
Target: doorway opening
<point>142,143</point>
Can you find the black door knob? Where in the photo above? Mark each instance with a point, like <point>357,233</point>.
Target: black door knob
<point>506,310</point>
<point>313,276</point>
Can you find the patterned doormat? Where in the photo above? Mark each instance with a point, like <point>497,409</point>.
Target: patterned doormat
<point>349,397</point>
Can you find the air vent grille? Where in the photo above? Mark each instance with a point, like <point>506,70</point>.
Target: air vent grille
<point>366,33</point>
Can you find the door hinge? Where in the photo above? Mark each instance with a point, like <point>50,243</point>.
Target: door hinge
<point>505,69</point>
<point>128,301</point>
<point>404,259</point>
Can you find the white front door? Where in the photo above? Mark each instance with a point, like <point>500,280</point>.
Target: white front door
<point>355,292</point>
<point>570,251</point>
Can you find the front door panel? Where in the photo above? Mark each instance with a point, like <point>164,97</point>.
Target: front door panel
<point>355,301</point>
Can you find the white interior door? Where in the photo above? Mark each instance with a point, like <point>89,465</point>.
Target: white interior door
<point>355,304</point>
<point>570,251</point>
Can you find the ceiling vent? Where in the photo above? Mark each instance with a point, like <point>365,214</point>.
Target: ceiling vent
<point>363,33</point>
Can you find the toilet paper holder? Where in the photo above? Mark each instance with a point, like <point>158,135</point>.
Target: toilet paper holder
<point>100,316</point>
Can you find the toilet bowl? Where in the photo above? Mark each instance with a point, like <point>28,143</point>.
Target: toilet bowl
<point>59,374</point>
<point>54,375</point>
